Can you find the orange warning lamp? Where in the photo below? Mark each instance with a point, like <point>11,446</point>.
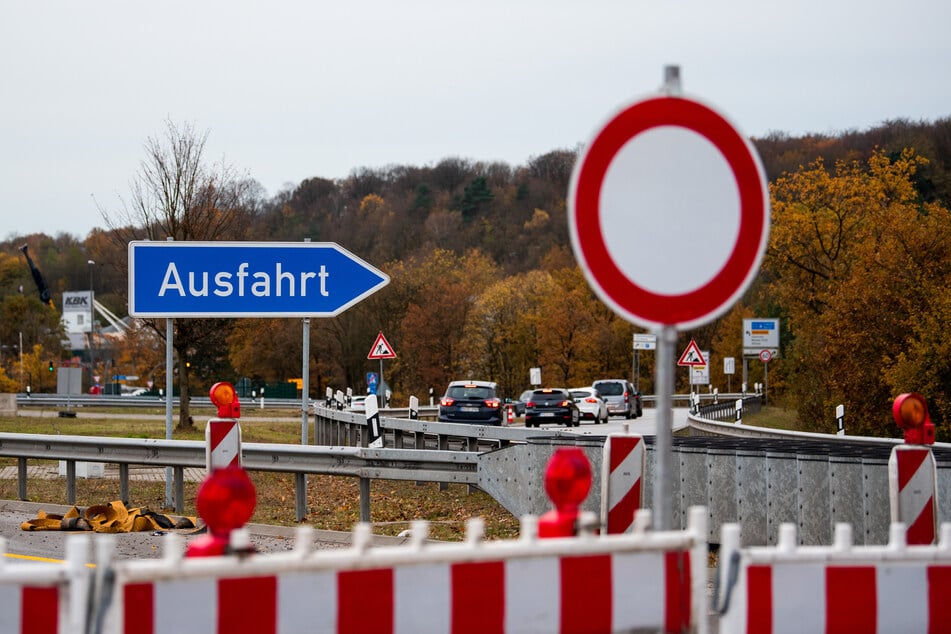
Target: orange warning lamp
<point>567,482</point>
<point>225,399</point>
<point>910,412</point>
<point>226,501</point>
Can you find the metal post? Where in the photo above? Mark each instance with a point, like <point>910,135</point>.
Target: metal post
<point>305,384</point>
<point>300,496</point>
<point>21,478</point>
<point>381,391</point>
<point>71,482</point>
<point>364,499</point>
<point>663,448</point>
<point>124,482</point>
<point>169,367</point>
<point>300,480</point>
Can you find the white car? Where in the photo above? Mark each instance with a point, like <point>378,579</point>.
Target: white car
<point>358,404</point>
<point>590,404</point>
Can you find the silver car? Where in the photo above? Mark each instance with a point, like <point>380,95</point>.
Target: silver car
<point>620,396</point>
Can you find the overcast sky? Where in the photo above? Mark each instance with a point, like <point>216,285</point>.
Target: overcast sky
<point>290,90</point>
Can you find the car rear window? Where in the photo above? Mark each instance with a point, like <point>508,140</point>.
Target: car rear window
<point>549,394</point>
<point>610,389</point>
<point>471,391</point>
<point>580,393</point>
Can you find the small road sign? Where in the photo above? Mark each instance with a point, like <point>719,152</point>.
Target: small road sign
<point>765,356</point>
<point>669,173</point>
<point>692,356</point>
<point>246,279</point>
<point>381,349</point>
<point>645,342</point>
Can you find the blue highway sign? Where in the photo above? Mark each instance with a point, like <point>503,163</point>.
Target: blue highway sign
<point>247,279</point>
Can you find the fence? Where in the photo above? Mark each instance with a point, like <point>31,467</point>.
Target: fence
<point>837,588</point>
<point>646,580</point>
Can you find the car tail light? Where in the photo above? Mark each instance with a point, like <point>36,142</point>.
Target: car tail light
<point>565,404</point>
<point>529,403</point>
<point>446,401</point>
<point>494,403</point>
<point>591,399</point>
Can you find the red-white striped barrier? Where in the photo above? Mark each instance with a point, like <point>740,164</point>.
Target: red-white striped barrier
<point>222,443</point>
<point>45,598</point>
<point>643,581</point>
<point>29,608</point>
<point>621,478</point>
<point>912,487</point>
<point>788,588</point>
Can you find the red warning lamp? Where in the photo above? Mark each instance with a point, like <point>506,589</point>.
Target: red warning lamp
<point>226,501</point>
<point>225,399</point>
<point>567,482</point>
<point>910,412</point>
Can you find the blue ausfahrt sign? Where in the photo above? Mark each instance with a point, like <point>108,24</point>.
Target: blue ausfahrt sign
<point>247,279</point>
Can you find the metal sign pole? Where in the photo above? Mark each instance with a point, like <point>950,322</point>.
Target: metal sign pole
<point>169,369</point>
<point>663,445</point>
<point>305,384</point>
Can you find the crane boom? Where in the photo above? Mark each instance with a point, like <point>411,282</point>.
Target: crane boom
<point>38,279</point>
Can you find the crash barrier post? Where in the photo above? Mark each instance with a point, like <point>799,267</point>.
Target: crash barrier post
<point>622,475</point>
<point>645,581</point>
<point>374,439</point>
<point>912,474</point>
<point>840,588</point>
<point>223,434</point>
<point>46,598</point>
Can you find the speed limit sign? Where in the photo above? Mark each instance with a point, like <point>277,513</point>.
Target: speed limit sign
<point>765,356</point>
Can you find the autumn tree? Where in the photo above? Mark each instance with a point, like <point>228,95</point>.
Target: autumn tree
<point>177,195</point>
<point>444,289</point>
<point>859,262</point>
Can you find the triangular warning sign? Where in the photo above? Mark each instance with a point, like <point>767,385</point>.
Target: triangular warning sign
<point>692,355</point>
<point>381,349</point>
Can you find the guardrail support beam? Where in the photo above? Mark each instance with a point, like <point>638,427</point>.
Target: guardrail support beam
<point>300,496</point>
<point>21,478</point>
<point>124,483</point>
<point>71,482</point>
<point>365,500</point>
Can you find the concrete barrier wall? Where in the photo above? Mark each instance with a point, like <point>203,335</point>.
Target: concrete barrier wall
<point>8,404</point>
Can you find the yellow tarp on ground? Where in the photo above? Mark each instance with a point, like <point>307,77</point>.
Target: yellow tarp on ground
<point>107,518</point>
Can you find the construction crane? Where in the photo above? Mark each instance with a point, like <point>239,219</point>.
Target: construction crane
<point>38,278</point>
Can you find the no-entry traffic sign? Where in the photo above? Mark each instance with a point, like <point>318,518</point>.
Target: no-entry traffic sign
<point>669,212</point>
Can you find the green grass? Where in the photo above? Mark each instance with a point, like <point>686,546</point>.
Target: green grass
<point>774,418</point>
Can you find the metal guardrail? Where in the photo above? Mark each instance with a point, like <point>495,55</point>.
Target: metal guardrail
<point>106,400</point>
<point>389,464</point>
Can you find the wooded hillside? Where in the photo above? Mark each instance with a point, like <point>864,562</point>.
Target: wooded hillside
<point>484,283</point>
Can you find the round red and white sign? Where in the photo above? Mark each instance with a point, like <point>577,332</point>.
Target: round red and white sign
<point>765,356</point>
<point>669,213</point>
